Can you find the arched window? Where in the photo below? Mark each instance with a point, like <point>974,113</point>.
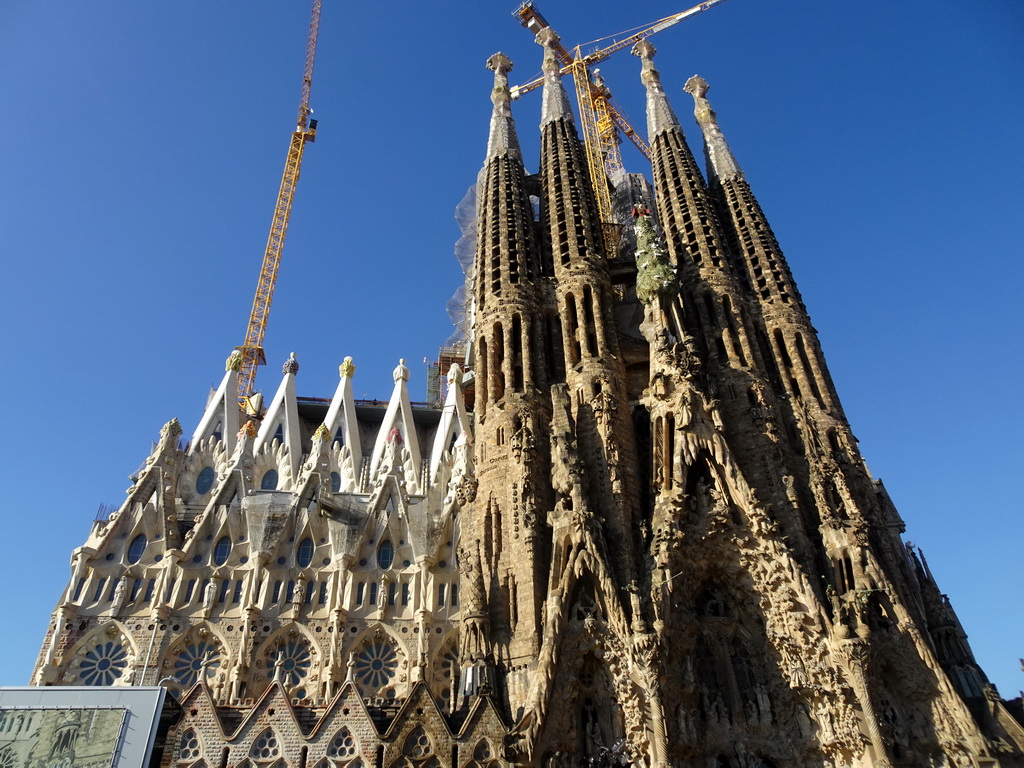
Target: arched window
<point>417,744</point>
<point>342,746</point>
<point>335,482</point>
<point>385,554</point>
<point>304,556</point>
<point>137,548</point>
<point>266,747</point>
<point>205,480</point>
<point>222,551</point>
<point>190,748</point>
<point>269,482</point>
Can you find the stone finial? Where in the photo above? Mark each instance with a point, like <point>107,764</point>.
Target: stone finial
<point>401,373</point>
<point>322,433</point>
<point>291,365</point>
<point>555,102</point>
<point>455,375</point>
<point>548,38</point>
<point>660,116</point>
<point>234,361</point>
<point>350,674</point>
<point>502,139</point>
<point>248,430</point>
<point>720,158</point>
<point>347,369</point>
<point>500,65</point>
<point>645,50</point>
<point>697,87</point>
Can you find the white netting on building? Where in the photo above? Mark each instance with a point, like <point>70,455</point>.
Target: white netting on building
<point>460,305</point>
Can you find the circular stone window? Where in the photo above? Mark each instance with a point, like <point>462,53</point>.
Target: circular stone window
<point>205,481</point>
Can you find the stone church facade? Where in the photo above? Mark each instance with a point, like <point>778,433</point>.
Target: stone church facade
<point>638,532</point>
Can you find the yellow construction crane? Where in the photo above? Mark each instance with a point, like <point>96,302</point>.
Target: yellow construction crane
<point>601,119</point>
<point>305,131</point>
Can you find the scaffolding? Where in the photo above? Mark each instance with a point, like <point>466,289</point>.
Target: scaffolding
<point>437,371</point>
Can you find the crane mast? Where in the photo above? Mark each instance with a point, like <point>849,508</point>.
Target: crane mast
<point>305,131</point>
<point>601,120</point>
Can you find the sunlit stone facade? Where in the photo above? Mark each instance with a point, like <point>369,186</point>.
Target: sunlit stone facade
<point>650,539</point>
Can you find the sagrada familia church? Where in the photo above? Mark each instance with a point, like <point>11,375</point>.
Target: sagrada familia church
<point>637,531</point>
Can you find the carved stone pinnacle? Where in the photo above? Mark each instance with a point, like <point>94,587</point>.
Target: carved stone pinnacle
<point>697,87</point>
<point>500,65</point>
<point>644,49</point>
<point>549,39</point>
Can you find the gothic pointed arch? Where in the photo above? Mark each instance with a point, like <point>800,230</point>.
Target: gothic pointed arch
<point>190,748</point>
<point>417,751</point>
<point>585,602</point>
<point>343,748</point>
<point>104,657</point>
<point>484,756</point>
<point>266,748</point>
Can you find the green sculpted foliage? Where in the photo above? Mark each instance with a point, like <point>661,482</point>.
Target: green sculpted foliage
<point>655,278</point>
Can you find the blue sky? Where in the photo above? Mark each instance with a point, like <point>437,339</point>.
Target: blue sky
<point>144,144</point>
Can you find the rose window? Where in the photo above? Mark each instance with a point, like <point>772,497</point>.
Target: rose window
<point>103,664</point>
<point>376,665</point>
<point>291,662</point>
<point>193,659</point>
<point>343,745</point>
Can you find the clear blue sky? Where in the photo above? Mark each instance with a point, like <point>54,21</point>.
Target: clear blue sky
<point>143,144</point>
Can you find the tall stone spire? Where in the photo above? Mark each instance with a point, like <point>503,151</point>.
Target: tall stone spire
<point>595,503</point>
<point>793,344</point>
<point>721,162</point>
<point>510,497</point>
<point>660,116</point>
<point>502,139</point>
<point>694,240</point>
<point>555,104</point>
